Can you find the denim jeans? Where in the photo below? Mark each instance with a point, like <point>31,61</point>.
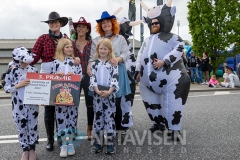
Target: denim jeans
<point>200,76</point>
<point>194,70</point>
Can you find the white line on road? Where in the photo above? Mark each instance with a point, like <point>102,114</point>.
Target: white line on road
<point>40,139</point>
<point>8,136</point>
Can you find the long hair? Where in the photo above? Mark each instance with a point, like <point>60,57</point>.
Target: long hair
<point>107,43</point>
<point>115,27</point>
<point>88,34</point>
<point>59,54</point>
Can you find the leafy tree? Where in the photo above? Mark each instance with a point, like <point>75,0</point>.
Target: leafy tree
<point>214,26</point>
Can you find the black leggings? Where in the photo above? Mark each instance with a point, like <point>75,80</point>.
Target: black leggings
<point>49,114</point>
<point>88,99</point>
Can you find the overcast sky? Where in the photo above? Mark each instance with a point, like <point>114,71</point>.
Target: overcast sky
<point>21,18</point>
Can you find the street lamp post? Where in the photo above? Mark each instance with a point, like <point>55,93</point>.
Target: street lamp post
<point>178,24</point>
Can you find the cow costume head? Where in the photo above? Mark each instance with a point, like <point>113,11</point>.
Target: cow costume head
<point>22,54</point>
<point>126,26</point>
<point>165,14</point>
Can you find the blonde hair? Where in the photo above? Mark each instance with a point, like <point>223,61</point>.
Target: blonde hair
<point>107,43</point>
<point>59,54</point>
<point>214,76</point>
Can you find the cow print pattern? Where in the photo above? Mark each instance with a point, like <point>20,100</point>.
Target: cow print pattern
<point>66,116</point>
<point>170,83</point>
<point>25,116</point>
<point>104,108</point>
<point>65,66</point>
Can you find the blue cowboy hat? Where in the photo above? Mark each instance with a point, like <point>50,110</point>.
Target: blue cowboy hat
<point>105,15</point>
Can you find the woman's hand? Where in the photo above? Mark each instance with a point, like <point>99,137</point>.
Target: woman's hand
<point>114,61</point>
<point>77,61</point>
<point>157,63</point>
<point>138,76</point>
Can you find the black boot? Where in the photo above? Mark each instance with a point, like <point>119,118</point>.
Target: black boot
<point>156,127</point>
<point>110,144</point>
<point>49,125</point>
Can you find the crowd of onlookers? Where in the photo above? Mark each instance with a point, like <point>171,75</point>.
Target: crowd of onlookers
<point>199,69</point>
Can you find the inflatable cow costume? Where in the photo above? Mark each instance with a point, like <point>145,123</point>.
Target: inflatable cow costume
<point>127,100</point>
<point>164,82</point>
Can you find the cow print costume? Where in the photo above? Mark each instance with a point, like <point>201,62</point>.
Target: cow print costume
<point>66,116</point>
<point>104,108</point>
<point>164,91</point>
<point>25,116</point>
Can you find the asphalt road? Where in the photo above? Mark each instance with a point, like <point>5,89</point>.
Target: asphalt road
<point>210,131</point>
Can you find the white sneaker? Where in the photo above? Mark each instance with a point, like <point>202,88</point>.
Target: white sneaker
<point>204,83</point>
<point>70,150</point>
<point>64,152</point>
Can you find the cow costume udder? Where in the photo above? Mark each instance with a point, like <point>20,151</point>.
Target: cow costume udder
<point>164,91</point>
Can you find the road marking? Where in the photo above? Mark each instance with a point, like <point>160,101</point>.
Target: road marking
<point>8,136</point>
<point>221,93</point>
<point>40,139</point>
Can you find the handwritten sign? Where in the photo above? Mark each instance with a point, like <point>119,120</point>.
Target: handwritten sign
<point>51,89</point>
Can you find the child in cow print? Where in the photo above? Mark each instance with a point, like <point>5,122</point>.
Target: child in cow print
<point>104,83</point>
<point>25,116</point>
<point>66,116</point>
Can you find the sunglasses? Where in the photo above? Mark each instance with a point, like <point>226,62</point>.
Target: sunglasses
<point>155,23</point>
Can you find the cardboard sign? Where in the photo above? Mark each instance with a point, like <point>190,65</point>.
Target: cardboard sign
<point>51,89</point>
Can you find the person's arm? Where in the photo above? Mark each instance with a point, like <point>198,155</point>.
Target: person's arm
<point>37,50</point>
<point>93,80</point>
<point>231,80</point>
<point>124,53</point>
<point>93,50</point>
<point>175,55</point>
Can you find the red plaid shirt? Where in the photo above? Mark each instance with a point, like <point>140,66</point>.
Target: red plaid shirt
<point>44,49</point>
<point>84,56</point>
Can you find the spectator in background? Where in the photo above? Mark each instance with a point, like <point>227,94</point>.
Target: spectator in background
<point>226,79</point>
<point>213,82</point>
<point>185,61</point>
<point>200,70</point>
<point>238,70</point>
<point>205,67</point>
<point>193,65</point>
<point>224,65</point>
<point>234,80</point>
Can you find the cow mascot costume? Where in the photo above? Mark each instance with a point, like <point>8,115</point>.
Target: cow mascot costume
<point>164,82</point>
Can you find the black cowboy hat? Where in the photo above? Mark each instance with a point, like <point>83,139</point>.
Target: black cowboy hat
<point>55,16</point>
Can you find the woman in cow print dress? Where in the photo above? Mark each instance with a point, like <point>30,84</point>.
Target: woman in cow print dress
<point>66,116</point>
<point>104,83</point>
<point>24,115</point>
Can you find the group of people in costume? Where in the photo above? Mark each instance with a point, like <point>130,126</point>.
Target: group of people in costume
<point>107,66</point>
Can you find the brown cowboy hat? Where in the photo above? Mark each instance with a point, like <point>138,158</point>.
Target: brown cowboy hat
<point>82,21</point>
<point>55,16</point>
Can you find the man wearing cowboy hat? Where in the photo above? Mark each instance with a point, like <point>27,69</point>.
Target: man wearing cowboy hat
<point>44,49</point>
